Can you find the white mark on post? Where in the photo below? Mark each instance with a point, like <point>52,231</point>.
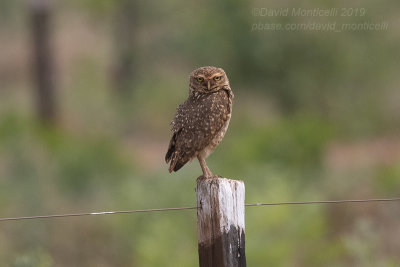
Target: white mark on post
<point>231,199</point>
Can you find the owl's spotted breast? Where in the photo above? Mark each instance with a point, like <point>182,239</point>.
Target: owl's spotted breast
<point>199,120</point>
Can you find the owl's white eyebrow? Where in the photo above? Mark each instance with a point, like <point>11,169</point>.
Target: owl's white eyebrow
<point>217,74</point>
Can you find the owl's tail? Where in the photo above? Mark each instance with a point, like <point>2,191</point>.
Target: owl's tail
<point>177,162</point>
<point>171,148</point>
<point>173,156</point>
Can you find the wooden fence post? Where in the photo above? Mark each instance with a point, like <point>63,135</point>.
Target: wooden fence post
<point>220,222</point>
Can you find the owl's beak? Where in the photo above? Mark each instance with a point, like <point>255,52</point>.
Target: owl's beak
<point>208,85</point>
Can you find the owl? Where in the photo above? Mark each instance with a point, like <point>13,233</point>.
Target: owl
<point>202,120</point>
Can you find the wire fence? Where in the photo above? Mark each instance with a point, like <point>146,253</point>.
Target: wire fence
<point>53,216</point>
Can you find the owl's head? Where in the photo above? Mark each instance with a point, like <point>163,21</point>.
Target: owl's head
<point>208,79</point>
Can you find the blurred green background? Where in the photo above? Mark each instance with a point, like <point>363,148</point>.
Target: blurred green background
<point>316,117</point>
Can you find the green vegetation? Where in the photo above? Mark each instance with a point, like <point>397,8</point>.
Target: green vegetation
<point>316,117</point>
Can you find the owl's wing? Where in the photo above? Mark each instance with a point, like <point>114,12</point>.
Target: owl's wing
<point>195,125</point>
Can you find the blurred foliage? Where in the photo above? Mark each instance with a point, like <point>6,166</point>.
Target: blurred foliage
<point>297,141</point>
<point>304,102</point>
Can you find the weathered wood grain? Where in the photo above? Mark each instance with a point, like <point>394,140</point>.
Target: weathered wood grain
<point>220,222</point>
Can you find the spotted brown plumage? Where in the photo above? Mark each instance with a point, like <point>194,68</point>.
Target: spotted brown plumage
<point>201,121</point>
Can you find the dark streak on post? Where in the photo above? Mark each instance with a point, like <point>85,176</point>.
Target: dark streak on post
<point>219,253</point>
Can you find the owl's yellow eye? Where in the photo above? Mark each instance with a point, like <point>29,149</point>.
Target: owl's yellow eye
<point>200,79</point>
<point>217,78</point>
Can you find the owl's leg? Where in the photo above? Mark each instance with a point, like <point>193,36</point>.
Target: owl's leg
<point>207,174</point>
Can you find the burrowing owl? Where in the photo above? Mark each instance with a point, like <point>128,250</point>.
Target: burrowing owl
<point>201,121</point>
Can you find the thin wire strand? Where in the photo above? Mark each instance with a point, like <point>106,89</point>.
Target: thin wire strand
<point>91,214</point>
<point>325,202</point>
<point>192,208</point>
